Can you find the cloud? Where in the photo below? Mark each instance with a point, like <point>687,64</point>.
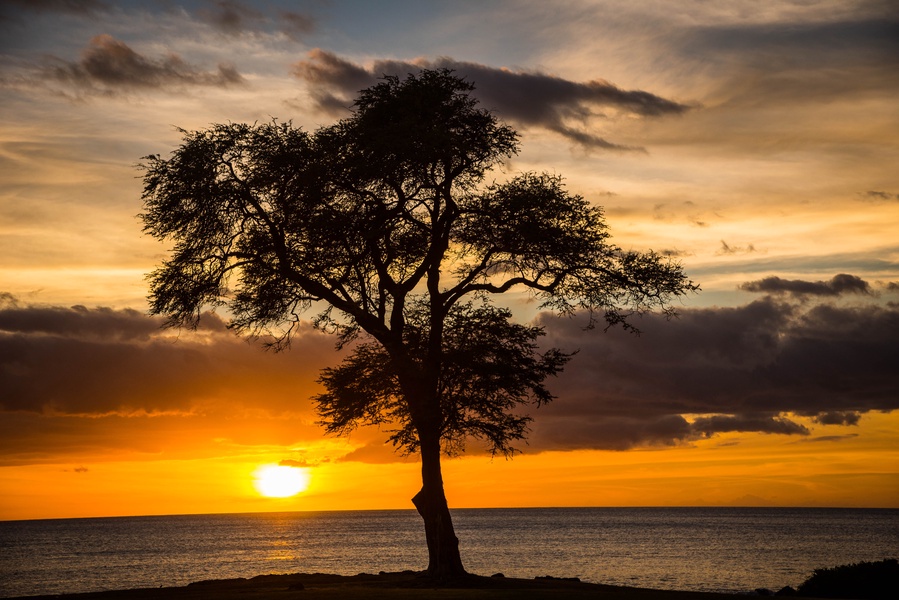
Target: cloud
<point>838,285</point>
<point>878,195</point>
<point>792,61</point>
<point>728,249</point>
<point>527,98</point>
<point>831,438</point>
<point>377,451</point>
<point>79,379</point>
<point>109,66</point>
<point>230,17</point>
<point>99,361</point>
<point>684,211</point>
<point>758,367</point>
<point>236,18</point>
<point>837,417</point>
<point>675,253</point>
<point>98,323</point>
<point>295,25</point>
<point>760,423</point>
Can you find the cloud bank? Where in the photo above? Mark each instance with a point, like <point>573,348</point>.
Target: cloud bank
<point>99,361</point>
<point>752,368</point>
<point>717,370</point>
<point>527,98</point>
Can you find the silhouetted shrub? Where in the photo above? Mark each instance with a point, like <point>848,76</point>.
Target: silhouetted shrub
<point>864,580</point>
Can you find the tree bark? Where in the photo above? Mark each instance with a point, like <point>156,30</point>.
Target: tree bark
<point>444,560</point>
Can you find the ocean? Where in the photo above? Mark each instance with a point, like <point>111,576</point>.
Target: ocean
<point>702,549</point>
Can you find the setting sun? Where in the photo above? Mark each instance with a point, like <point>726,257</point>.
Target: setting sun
<point>275,481</point>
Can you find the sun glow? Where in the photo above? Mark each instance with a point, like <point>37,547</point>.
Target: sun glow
<point>276,481</point>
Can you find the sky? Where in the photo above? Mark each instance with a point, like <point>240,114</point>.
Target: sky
<point>756,143</point>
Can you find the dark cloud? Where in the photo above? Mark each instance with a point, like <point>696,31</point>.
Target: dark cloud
<point>838,417</point>
<point>554,430</point>
<point>718,370</point>
<point>838,285</point>
<point>108,66</point>
<point>81,361</point>
<point>99,323</point>
<point>762,423</point>
<point>531,99</point>
<point>712,370</point>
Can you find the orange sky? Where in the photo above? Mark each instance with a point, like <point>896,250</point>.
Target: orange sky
<point>777,190</point>
<point>744,470</point>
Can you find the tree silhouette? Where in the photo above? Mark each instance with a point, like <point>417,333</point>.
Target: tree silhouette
<point>382,228</point>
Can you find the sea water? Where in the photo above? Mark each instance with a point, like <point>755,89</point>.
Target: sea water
<point>702,549</point>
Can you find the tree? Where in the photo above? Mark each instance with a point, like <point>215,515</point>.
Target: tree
<point>382,227</point>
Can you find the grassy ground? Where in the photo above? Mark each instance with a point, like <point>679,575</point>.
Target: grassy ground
<point>391,586</point>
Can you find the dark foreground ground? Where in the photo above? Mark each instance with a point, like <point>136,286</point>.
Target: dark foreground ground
<point>389,586</point>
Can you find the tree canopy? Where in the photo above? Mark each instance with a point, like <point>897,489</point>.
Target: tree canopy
<point>384,229</point>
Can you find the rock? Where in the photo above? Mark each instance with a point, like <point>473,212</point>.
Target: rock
<point>785,591</point>
<point>296,586</point>
<point>763,592</point>
<point>497,575</point>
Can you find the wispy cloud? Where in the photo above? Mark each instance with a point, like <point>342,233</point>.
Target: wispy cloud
<point>527,98</point>
<point>728,249</point>
<point>230,17</point>
<point>239,18</point>
<point>793,62</point>
<point>878,195</point>
<point>109,66</point>
<point>296,25</point>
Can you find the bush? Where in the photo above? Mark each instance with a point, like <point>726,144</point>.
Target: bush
<point>864,580</point>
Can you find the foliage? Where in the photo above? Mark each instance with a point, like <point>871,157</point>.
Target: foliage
<point>382,225</point>
<point>866,580</point>
<point>490,366</point>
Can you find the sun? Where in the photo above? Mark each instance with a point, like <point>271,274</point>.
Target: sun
<point>277,481</point>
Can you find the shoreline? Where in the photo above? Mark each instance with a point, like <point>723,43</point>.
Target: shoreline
<point>385,586</point>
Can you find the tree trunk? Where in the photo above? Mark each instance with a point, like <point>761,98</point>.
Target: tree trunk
<point>444,560</point>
